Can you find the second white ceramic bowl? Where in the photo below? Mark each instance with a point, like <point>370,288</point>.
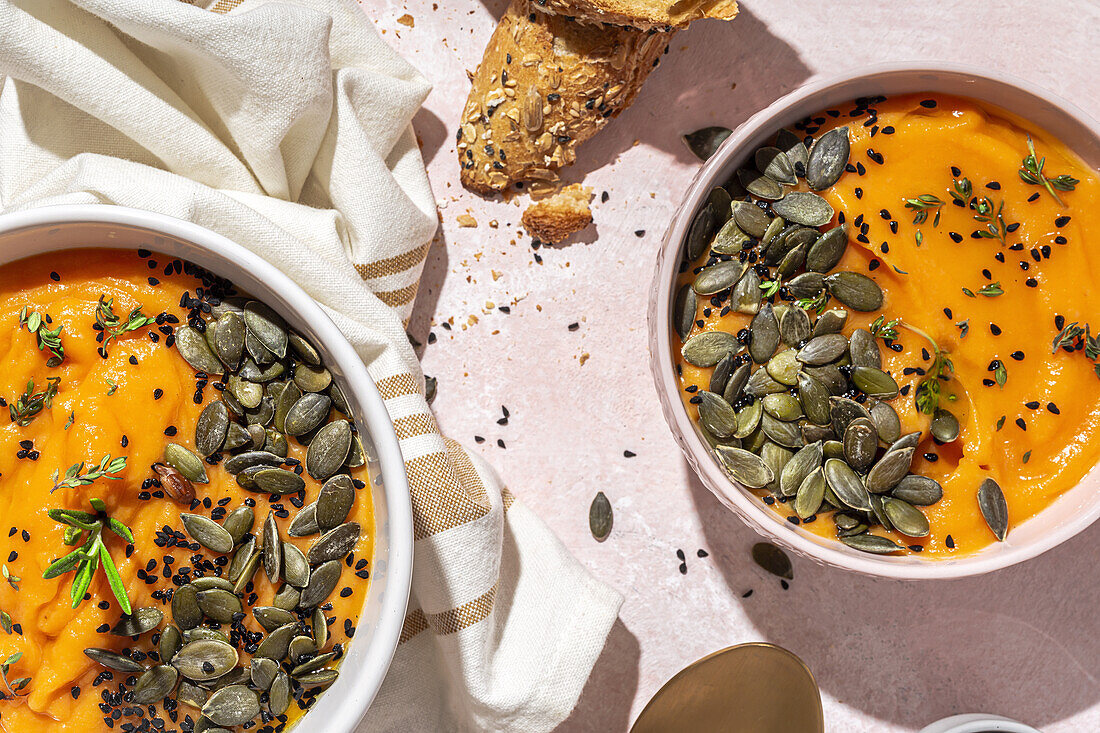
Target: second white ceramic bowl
<point>55,228</point>
<point>1068,515</point>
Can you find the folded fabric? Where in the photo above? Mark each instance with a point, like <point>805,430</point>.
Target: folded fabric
<point>286,127</point>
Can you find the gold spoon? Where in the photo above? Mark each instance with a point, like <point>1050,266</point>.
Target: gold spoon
<point>748,688</point>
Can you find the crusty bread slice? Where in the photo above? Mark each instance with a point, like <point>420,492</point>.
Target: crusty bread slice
<point>546,84</point>
<point>644,14</point>
<point>553,219</point>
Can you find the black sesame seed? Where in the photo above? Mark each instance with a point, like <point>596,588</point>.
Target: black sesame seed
<point>928,104</point>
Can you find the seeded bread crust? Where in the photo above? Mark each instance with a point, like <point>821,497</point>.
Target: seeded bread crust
<point>556,218</point>
<point>643,14</point>
<point>546,84</point>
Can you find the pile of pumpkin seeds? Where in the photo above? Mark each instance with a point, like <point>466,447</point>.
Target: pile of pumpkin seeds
<point>274,388</point>
<point>793,406</point>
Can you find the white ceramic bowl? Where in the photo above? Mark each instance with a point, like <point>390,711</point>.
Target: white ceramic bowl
<point>53,228</point>
<point>978,723</point>
<point>1068,515</point>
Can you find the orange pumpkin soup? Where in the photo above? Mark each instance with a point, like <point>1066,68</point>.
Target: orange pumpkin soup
<point>121,390</point>
<point>987,276</point>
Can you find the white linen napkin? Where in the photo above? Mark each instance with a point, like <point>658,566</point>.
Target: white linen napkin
<point>286,127</point>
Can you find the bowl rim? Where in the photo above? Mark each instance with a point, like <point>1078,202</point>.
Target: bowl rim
<point>741,501</point>
<point>398,519</point>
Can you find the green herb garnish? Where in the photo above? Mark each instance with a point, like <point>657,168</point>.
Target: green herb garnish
<point>995,226</point>
<point>112,386</point>
<point>922,205</point>
<point>92,553</point>
<point>964,328</point>
<point>15,687</point>
<point>6,622</point>
<point>885,330</point>
<point>112,325</point>
<point>771,287</point>
<point>1000,374</point>
<point>48,340</point>
<point>1031,171</point>
<point>992,290</point>
<point>927,394</point>
<point>27,407</point>
<point>815,303</point>
<point>13,580</point>
<point>1075,338</point>
<point>74,477</point>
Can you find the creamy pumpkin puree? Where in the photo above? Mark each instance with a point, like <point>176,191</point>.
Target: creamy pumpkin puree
<point>128,404</point>
<point>1039,434</point>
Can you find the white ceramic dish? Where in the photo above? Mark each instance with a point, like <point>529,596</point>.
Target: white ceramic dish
<point>978,723</point>
<point>1068,515</point>
<point>53,228</point>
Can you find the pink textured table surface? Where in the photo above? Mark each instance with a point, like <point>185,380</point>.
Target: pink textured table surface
<point>889,656</point>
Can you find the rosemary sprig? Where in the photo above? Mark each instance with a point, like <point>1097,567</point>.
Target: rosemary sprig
<point>886,330</point>
<point>927,393</point>
<point>27,407</point>
<point>922,205</point>
<point>74,477</point>
<point>1031,171</point>
<point>112,325</point>
<point>1075,338</point>
<point>48,340</point>
<point>87,528</point>
<point>15,687</point>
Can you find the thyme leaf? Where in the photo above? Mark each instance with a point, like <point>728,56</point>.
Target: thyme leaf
<point>112,325</point>
<point>1031,171</point>
<point>26,408</point>
<point>48,340</point>
<point>74,476</point>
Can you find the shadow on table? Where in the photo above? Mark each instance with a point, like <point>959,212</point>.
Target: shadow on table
<point>605,702</point>
<point>1020,642</point>
<point>427,294</point>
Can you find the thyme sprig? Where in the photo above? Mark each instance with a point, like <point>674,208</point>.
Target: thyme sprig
<point>995,226</point>
<point>927,393</point>
<point>48,340</point>
<point>74,477</point>
<point>13,580</point>
<point>885,330</point>
<point>113,326</point>
<point>87,529</point>
<point>30,403</point>
<point>922,205</point>
<point>6,623</point>
<point>814,303</point>
<point>771,287</point>
<point>15,687</point>
<point>1075,338</point>
<point>1031,171</point>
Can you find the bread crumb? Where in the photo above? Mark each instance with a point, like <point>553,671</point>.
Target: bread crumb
<point>584,358</point>
<point>556,218</point>
<point>466,221</point>
<point>406,20</point>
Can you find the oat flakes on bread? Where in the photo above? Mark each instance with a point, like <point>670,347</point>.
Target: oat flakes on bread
<point>644,14</point>
<point>556,218</point>
<point>546,84</point>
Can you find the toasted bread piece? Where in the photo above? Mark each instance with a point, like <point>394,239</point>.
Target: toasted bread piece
<point>545,85</point>
<point>644,14</point>
<point>553,219</point>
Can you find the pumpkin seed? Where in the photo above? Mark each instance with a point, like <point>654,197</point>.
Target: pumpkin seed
<point>185,607</point>
<point>891,468</point>
<point>794,327</point>
<point>704,143</point>
<point>277,643</point>
<point>855,290</point>
<point>192,346</point>
<point>804,207</point>
<point>211,429</point>
<point>339,400</point>
<point>684,309</point>
<point>304,522</point>
<point>219,605</point>
<point>871,543</point>
<point>241,461</point>
<point>806,285</point>
<point>874,382</point>
<point>357,456</point>
<point>747,296</point>
<point>320,627</point>
<point>748,419</point>
<point>236,437</point>
<point>821,350</point>
<point>267,326</point>
<point>906,518</point>
<point>232,705</point>
<point>600,518</point>
<point>205,659</point>
<point>300,646</point>
<point>796,151</point>
<point>765,334</point>
<point>278,698</point>
<point>716,415</point>
<point>909,440</point>
<point>312,378</point>
<point>844,411</point>
<point>784,366</point>
<point>321,583</point>
<point>329,449</point>
<point>312,665</point>
<point>833,449</point>
<point>860,443</point>
<point>191,694</point>
<point>755,441</point>
<point>248,394</point>
<point>155,685</point>
<point>886,421</point>
<point>721,374</point>
<point>772,559</point>
<point>241,559</point>
<point>169,643</point>
<point>239,522</point>
<point>278,481</point>
<point>203,633</point>
<point>257,436</point>
<point>229,338</point>
<point>273,551</point>
<point>827,251</point>
<point>760,185</point>
<point>918,490</point>
<point>271,617</point>
<point>761,383</point>
<point>805,461</point>
<point>137,623</point>
<point>744,467</point>
<point>810,494</point>
<point>334,544</point>
<point>827,159</point>
<point>776,457</point>
<point>295,566</point>
<point>774,163</point>
<point>208,533</point>
<point>702,230</point>
<point>253,372</point>
<point>814,398</point>
<point>994,508</point>
<point>706,349</point>
<point>262,672</point>
<point>287,598</point>
<point>945,426</point>
<point>715,278</point>
<point>303,348</point>
<point>210,582</point>
<point>751,218</point>
<point>729,240</point>
<point>782,406</point>
<point>262,415</point>
<point>774,228</point>
<point>815,433</point>
<point>334,502</point>
<point>846,485</point>
<point>736,383</point>
<point>831,321</point>
<point>186,462</point>
<point>321,678</point>
<point>785,434</point>
<point>792,261</point>
<point>113,660</point>
<point>864,349</point>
